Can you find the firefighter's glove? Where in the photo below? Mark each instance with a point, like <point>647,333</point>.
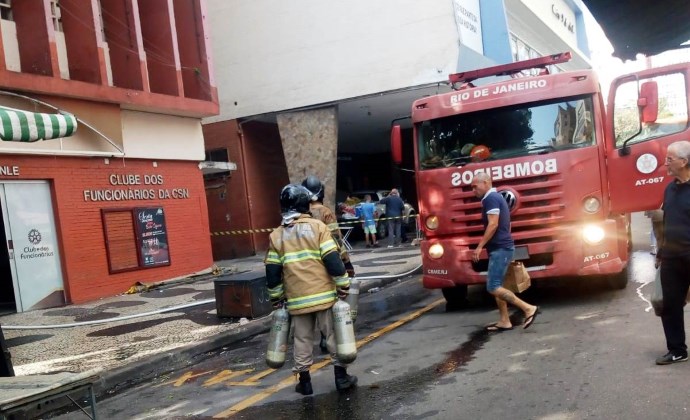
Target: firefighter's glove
<point>350,269</point>
<point>278,303</point>
<point>342,292</point>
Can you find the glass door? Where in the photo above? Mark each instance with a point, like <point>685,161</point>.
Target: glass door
<point>32,244</point>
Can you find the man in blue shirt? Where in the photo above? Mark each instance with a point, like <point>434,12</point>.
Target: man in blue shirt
<point>500,247</point>
<point>367,212</point>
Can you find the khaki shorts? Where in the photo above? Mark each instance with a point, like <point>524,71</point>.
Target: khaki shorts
<point>369,229</point>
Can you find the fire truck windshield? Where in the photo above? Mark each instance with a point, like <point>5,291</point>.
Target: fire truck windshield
<point>507,132</point>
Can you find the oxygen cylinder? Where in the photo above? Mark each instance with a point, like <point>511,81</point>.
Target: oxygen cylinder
<point>346,346</point>
<point>353,298</point>
<point>278,339</point>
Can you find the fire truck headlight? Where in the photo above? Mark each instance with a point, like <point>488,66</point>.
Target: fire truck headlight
<point>432,222</point>
<point>592,234</point>
<point>436,251</point>
<point>591,204</point>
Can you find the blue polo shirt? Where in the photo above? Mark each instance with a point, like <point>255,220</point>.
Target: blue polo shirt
<point>493,203</point>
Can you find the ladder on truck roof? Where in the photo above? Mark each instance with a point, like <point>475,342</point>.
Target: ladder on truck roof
<point>466,78</point>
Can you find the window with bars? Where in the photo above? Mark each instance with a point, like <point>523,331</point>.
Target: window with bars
<point>6,10</point>
<point>522,51</point>
<point>56,15</point>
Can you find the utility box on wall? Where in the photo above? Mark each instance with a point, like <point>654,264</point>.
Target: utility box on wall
<point>242,295</point>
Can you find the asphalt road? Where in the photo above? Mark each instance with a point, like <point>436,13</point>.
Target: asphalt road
<point>589,354</point>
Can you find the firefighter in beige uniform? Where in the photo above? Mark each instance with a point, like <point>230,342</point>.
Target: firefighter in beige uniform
<point>305,272</point>
<point>323,213</point>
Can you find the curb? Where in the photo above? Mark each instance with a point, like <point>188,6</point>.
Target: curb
<point>149,367</point>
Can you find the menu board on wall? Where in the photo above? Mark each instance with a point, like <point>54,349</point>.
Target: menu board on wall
<point>152,236</point>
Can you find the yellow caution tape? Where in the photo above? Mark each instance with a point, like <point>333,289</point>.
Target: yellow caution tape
<point>268,230</point>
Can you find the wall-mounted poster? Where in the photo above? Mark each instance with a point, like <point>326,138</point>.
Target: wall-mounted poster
<point>152,236</point>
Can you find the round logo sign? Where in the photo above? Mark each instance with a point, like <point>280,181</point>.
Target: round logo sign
<point>35,236</point>
<point>647,163</point>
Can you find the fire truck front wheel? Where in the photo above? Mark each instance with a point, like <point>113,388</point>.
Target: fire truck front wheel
<point>619,281</point>
<point>455,295</point>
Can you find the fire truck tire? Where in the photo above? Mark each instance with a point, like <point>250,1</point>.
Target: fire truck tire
<point>619,281</point>
<point>455,295</point>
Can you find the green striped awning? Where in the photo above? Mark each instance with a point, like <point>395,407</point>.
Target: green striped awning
<point>19,125</point>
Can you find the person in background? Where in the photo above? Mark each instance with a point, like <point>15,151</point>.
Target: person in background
<point>673,254</point>
<point>308,287</point>
<point>367,213</point>
<point>324,214</point>
<point>394,211</point>
<point>500,247</point>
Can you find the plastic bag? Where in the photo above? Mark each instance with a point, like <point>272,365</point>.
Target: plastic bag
<point>657,297</point>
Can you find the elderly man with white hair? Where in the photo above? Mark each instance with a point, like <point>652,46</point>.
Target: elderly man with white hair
<point>673,255</point>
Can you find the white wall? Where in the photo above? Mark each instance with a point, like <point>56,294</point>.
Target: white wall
<point>273,55</point>
<point>158,136</point>
<point>9,41</point>
<point>61,47</point>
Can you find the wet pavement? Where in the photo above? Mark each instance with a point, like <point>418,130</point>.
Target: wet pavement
<point>118,349</point>
<point>589,355</point>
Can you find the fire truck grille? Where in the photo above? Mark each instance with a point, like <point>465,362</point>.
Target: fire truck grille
<point>538,204</point>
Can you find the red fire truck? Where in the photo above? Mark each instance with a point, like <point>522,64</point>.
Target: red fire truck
<point>570,169</point>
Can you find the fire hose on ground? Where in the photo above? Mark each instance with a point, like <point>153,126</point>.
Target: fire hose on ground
<point>163,310</point>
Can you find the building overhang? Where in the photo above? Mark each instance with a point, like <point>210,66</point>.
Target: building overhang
<point>642,26</point>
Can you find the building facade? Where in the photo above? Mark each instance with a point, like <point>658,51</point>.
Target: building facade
<point>121,200</point>
<point>315,87</point>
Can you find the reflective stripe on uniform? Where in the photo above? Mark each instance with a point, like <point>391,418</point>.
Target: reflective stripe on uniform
<point>305,254</point>
<point>342,281</point>
<point>311,300</point>
<point>276,292</point>
<point>272,257</point>
<point>328,246</point>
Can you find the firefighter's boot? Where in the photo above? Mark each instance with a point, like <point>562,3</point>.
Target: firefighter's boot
<point>343,381</point>
<point>304,385</point>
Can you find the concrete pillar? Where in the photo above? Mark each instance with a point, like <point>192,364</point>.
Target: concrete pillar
<point>310,145</point>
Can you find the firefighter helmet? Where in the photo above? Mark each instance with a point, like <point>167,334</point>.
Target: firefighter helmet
<point>314,185</point>
<point>294,198</point>
<point>480,153</point>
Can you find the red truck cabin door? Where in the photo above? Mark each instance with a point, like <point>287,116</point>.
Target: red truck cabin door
<point>646,112</point>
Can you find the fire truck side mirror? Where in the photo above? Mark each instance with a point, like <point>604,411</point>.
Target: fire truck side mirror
<point>648,101</point>
<point>396,145</point>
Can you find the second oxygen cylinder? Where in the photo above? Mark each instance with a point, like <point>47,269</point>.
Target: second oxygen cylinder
<point>346,346</point>
<point>353,298</point>
<point>278,339</point>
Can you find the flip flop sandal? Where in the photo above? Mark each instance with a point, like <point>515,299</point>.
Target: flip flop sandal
<point>530,319</point>
<point>496,328</point>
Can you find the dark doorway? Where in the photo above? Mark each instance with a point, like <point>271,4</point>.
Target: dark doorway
<point>7,303</point>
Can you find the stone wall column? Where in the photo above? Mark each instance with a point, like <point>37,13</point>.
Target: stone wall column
<point>310,145</point>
